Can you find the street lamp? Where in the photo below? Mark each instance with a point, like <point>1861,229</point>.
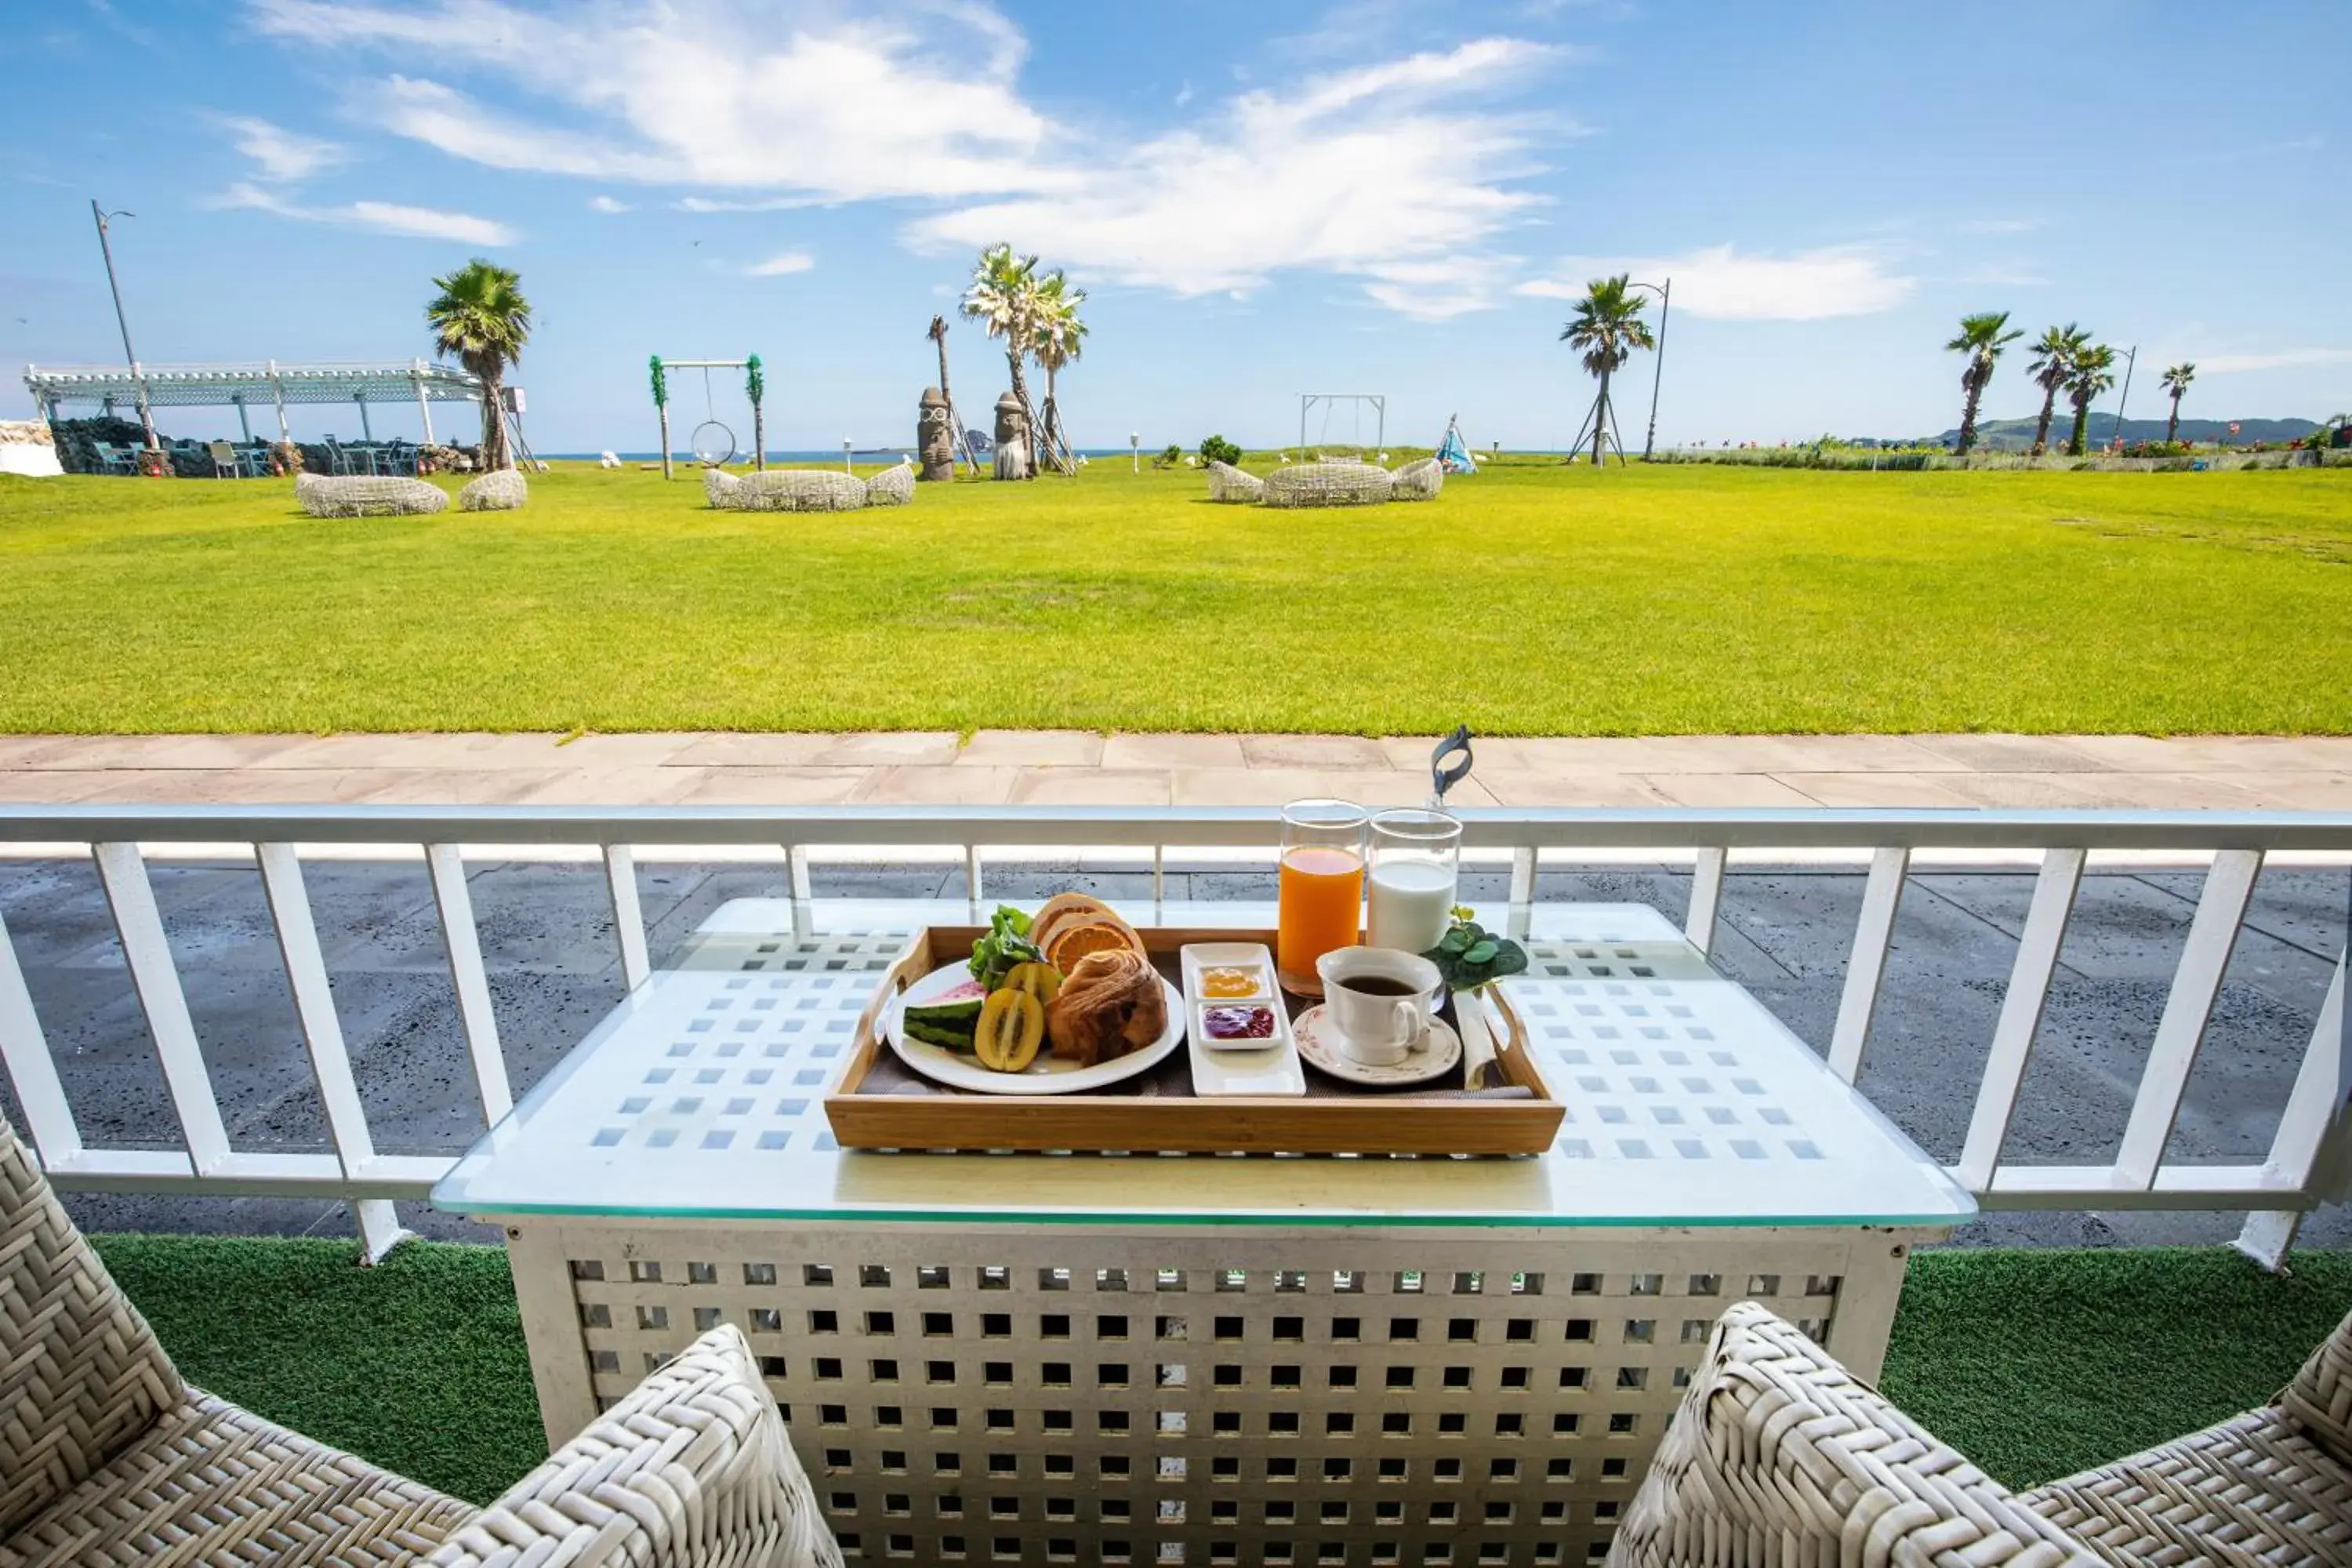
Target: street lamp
<point>146,414</point>
<point>1665,294</point>
<point>1135,450</point>
<point>845,456</point>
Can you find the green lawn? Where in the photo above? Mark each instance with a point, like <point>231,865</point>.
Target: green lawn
<point>1531,599</point>
<point>2033,1363</point>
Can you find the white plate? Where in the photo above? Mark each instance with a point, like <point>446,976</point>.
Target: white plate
<point>1319,1043</point>
<point>1047,1075</point>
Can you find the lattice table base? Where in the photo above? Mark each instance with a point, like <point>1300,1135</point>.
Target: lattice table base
<point>1184,1395</point>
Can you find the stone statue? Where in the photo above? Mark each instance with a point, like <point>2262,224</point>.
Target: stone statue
<point>1012,439</point>
<point>935,435</point>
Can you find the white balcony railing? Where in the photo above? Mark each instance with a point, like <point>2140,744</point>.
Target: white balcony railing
<point>2309,1163</point>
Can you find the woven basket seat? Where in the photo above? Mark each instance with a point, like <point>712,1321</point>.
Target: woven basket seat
<point>106,1457</point>
<point>1419,480</point>
<point>891,487</point>
<point>1328,484</point>
<point>501,491</point>
<point>1778,1456</point>
<point>800,490</point>
<point>1234,487</point>
<point>367,495</point>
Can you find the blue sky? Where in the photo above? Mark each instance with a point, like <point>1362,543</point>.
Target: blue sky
<point>1261,199</point>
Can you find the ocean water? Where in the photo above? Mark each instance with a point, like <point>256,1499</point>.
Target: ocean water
<point>862,456</point>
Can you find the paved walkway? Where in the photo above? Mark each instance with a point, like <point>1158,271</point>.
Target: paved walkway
<point>1074,768</point>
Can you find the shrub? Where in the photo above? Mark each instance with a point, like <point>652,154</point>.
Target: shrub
<point>1217,450</point>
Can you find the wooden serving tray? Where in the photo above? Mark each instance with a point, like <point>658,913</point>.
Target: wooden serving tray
<point>880,1103</point>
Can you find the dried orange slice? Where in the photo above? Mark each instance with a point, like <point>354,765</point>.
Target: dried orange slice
<point>1012,1026</point>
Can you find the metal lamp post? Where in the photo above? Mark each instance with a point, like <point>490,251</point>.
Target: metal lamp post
<point>1135,450</point>
<point>146,414</point>
<point>845,456</point>
<point>1665,293</point>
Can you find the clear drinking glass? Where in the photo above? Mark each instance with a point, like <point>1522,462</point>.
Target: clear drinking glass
<point>1320,889</point>
<point>1416,866</point>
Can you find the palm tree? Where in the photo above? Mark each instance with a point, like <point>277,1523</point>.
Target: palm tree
<point>2053,362</point>
<point>938,333</point>
<point>481,320</point>
<point>1060,338</point>
<point>755,387</point>
<point>1004,299</point>
<point>2176,382</point>
<point>1607,327</point>
<point>1982,338</point>
<point>2094,372</point>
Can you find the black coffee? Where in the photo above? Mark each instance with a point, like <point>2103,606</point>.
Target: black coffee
<point>1379,985</point>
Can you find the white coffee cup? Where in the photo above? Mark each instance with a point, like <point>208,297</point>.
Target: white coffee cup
<point>1381,1001</point>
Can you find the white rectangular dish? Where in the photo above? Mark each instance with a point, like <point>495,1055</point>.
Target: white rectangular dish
<point>1223,1068</point>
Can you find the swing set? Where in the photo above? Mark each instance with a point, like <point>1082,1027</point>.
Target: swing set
<point>713,441</point>
<point>1359,401</point>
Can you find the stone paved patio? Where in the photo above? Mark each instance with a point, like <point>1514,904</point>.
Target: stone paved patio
<point>1079,768</point>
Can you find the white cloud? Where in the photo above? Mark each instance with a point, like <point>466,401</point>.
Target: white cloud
<point>383,217</point>
<point>2225,365</point>
<point>281,154</point>
<point>1369,172</point>
<point>781,266</point>
<point>707,92</point>
<point>754,204</point>
<point>1719,282</point>
<point>1382,170</point>
<point>606,205</point>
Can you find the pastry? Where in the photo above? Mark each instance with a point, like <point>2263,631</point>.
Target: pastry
<point>1111,1003</point>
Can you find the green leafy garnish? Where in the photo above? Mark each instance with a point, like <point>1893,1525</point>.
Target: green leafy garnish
<point>1469,956</point>
<point>1006,945</point>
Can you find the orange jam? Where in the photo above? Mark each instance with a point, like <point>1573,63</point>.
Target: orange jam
<point>1232,980</point>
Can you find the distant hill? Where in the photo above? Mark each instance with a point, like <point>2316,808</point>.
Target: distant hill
<point>2017,435</point>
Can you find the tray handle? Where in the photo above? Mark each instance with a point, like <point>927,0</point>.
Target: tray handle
<point>911,965</point>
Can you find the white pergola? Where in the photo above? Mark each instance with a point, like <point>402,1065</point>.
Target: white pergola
<point>242,385</point>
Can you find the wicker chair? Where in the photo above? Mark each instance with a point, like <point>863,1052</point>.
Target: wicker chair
<point>1328,484</point>
<point>1418,481</point>
<point>1233,486</point>
<point>362,495</point>
<point>106,1456</point>
<point>502,490</point>
<point>1779,1456</point>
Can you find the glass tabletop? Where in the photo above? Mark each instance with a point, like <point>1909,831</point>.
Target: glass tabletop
<point>1687,1103</point>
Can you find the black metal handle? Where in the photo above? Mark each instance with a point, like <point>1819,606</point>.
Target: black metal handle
<point>1443,776</point>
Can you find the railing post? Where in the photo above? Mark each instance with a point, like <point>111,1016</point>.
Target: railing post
<point>2212,933</point>
<point>2020,1016</point>
<point>1866,965</point>
<point>796,876</point>
<point>49,1117</point>
<point>322,1033</point>
<point>156,978</point>
<point>1706,897</point>
<point>973,896</point>
<point>446,863</point>
<point>1160,884</point>
<point>1521,916</point>
<point>628,915</point>
<point>2313,1146</point>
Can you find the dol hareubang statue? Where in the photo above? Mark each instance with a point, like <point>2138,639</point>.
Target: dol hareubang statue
<point>1012,438</point>
<point>935,435</point>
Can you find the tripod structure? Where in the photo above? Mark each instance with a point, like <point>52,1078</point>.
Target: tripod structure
<point>1602,415</point>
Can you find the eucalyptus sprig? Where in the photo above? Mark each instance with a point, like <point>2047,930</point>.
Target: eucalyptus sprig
<point>1468,955</point>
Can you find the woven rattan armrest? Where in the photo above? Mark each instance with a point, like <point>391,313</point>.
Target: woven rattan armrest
<point>1779,1456</point>
<point>692,1469</point>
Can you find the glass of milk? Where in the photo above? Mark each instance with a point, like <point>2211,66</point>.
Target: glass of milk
<point>1416,859</point>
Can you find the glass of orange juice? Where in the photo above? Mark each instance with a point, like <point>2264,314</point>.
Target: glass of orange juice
<point>1321,887</point>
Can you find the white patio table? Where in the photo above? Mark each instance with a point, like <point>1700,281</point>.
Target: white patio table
<point>1038,1359</point>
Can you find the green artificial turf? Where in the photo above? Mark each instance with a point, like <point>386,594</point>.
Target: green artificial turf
<point>1532,599</point>
<point>2034,1363</point>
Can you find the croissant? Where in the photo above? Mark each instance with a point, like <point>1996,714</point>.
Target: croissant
<point>1111,1003</point>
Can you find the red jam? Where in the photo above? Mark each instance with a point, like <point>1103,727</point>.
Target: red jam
<point>1238,1023</point>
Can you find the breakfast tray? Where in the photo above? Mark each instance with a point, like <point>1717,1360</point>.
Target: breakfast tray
<point>880,1103</point>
